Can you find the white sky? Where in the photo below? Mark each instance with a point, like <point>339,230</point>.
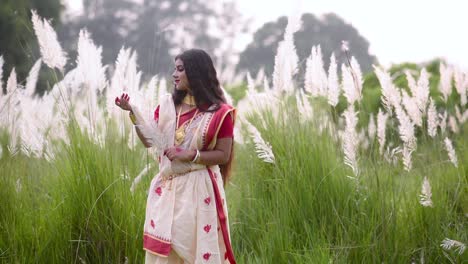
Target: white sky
<point>398,30</point>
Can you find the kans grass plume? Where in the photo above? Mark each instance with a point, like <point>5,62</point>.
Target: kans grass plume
<point>286,59</point>
<point>2,61</point>
<point>51,51</point>
<point>315,75</point>
<point>426,194</point>
<point>350,140</point>
<point>445,85</point>
<point>406,132</point>
<point>432,120</point>
<point>262,148</point>
<point>451,152</point>
<point>449,244</point>
<point>390,95</point>
<point>381,128</point>
<point>461,85</point>
<point>31,81</point>
<point>333,91</point>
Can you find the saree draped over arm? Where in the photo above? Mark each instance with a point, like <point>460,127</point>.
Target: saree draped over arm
<point>186,210</point>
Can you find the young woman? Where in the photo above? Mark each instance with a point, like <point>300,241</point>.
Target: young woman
<point>186,212</point>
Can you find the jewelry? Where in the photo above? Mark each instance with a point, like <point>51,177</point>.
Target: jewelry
<point>189,100</point>
<point>180,132</point>
<point>133,117</point>
<point>197,156</point>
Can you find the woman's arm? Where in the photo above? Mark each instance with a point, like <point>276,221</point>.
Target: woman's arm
<point>219,156</point>
<point>144,138</point>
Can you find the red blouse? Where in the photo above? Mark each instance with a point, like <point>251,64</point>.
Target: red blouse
<point>226,130</point>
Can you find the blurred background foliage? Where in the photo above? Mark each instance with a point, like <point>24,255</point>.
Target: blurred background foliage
<point>158,30</point>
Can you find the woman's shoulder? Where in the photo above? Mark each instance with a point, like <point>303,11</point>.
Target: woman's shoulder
<point>225,107</point>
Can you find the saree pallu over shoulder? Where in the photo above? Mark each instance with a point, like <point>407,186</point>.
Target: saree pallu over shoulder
<point>186,209</point>
<point>215,124</point>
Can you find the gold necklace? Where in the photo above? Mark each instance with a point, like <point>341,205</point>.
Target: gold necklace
<point>180,132</point>
<point>189,100</point>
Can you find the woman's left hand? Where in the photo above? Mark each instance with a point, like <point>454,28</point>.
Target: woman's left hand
<point>175,153</point>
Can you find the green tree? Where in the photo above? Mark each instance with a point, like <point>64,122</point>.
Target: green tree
<point>17,40</point>
<point>328,32</point>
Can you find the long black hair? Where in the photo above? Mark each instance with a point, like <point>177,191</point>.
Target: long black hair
<point>201,75</point>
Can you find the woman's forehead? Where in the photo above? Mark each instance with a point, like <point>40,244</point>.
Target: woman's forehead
<point>179,62</point>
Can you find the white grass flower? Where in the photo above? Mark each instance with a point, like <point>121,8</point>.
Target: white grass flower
<point>238,136</point>
<point>451,152</point>
<point>371,128</point>
<point>260,76</point>
<point>406,132</point>
<point>89,66</point>
<point>422,93</point>
<point>443,121</point>
<point>2,61</point>
<point>348,85</point>
<point>381,128</point>
<point>411,107</point>
<point>266,86</point>
<point>411,83</point>
<point>31,81</point>
<point>405,127</point>
<point>464,117</point>
<point>250,85</point>
<point>406,156</point>
<point>286,59</point>
<point>426,194</point>
<point>357,76</point>
<point>262,148</point>
<point>461,85</point>
<point>458,246</point>
<point>432,121</point>
<point>452,121</point>
<point>333,92</point>
<point>51,51</point>
<point>12,82</point>
<point>390,95</point>
<point>315,75</point>
<point>350,139</point>
<point>390,155</point>
<point>445,85</point>
<point>303,107</point>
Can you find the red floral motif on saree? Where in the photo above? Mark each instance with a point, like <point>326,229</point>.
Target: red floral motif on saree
<point>207,256</point>
<point>208,200</point>
<point>207,228</point>
<point>152,223</point>
<point>158,191</point>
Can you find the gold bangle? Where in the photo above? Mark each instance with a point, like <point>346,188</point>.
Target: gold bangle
<point>132,117</point>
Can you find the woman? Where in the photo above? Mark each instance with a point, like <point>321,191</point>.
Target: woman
<point>186,212</point>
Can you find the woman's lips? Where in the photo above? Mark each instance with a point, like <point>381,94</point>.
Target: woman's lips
<point>177,81</point>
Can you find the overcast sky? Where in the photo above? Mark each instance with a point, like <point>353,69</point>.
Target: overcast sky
<point>398,30</point>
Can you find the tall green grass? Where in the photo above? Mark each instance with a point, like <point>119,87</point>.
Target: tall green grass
<point>305,208</point>
<point>302,209</point>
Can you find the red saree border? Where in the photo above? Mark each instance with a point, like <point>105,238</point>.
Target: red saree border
<point>222,218</point>
<point>156,246</point>
<point>216,122</point>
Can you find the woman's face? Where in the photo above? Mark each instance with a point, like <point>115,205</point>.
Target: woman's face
<point>180,78</point>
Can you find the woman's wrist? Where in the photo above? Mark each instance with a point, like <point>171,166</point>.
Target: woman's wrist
<point>195,157</point>
<point>132,117</point>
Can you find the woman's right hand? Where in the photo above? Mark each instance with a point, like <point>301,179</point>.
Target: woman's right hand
<point>123,102</point>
